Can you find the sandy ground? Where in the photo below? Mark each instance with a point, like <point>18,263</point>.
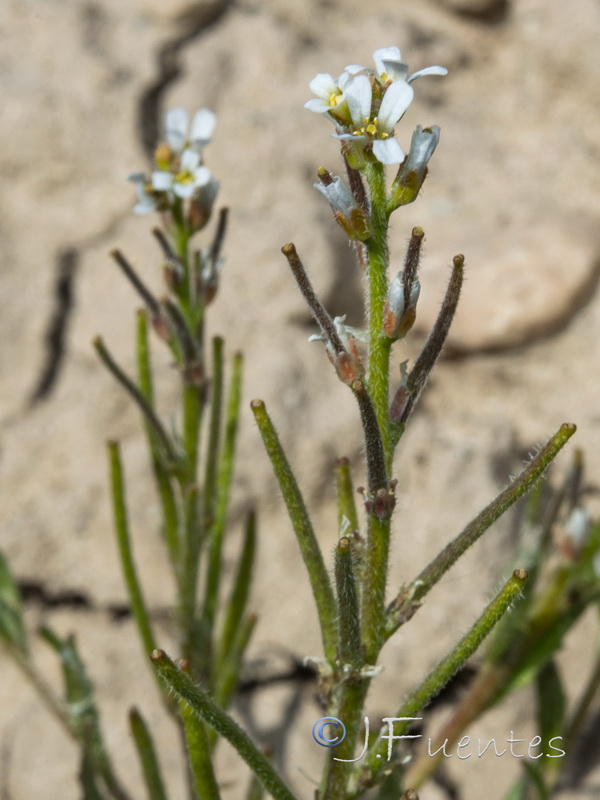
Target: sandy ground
<point>514,185</point>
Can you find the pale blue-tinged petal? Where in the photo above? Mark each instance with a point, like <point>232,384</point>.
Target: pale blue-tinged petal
<point>358,96</point>
<point>189,160</point>
<point>397,98</point>
<point>428,71</point>
<point>146,202</point>
<point>202,176</point>
<point>349,136</point>
<point>203,126</point>
<point>388,151</point>
<point>144,205</point>
<point>162,180</point>
<point>176,124</point>
<point>184,190</point>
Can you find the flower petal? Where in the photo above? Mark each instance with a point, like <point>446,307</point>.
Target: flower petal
<point>202,176</point>
<point>203,126</point>
<point>354,69</point>
<point>317,105</point>
<point>323,85</point>
<point>189,159</point>
<point>383,54</point>
<point>427,71</point>
<point>162,180</point>
<point>184,190</point>
<point>145,205</point>
<point>396,100</point>
<point>388,61</point>
<point>388,151</point>
<point>176,125</point>
<point>358,96</point>
<point>347,137</point>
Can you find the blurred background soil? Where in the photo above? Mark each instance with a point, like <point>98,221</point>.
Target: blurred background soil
<point>514,186</point>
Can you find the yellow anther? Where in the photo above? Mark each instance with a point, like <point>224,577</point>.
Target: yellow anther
<point>185,176</point>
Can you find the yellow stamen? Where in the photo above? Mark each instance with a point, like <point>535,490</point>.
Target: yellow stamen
<point>184,177</point>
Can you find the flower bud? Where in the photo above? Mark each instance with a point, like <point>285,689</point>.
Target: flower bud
<point>202,204</point>
<point>401,396</point>
<point>413,170</point>
<point>346,210</point>
<point>399,314</point>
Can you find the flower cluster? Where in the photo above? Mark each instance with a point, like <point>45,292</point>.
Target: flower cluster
<point>365,104</point>
<point>180,173</point>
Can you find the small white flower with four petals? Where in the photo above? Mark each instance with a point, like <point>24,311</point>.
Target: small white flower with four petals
<point>380,129</point>
<point>180,135</point>
<point>190,176</point>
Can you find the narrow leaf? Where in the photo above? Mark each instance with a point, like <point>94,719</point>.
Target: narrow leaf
<point>241,589</point>
<point>199,754</point>
<point>134,590</point>
<point>206,710</point>
<point>12,625</point>
<point>225,477</point>
<point>347,516</point>
<point>309,547</point>
<point>404,604</point>
<point>551,702</point>
<point>442,673</point>
<point>133,391</point>
<point>161,473</point>
<point>147,754</point>
<point>350,647</point>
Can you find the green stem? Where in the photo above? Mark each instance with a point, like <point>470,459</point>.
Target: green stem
<point>214,436</point>
<point>379,345</point>
<point>375,580</point>
<point>349,711</point>
<point>189,570</point>
<point>192,415</point>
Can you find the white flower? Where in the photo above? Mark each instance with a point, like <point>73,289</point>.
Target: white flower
<point>390,67</point>
<point>378,130</point>
<point>178,133</point>
<point>143,188</point>
<point>190,176</point>
<point>329,91</point>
